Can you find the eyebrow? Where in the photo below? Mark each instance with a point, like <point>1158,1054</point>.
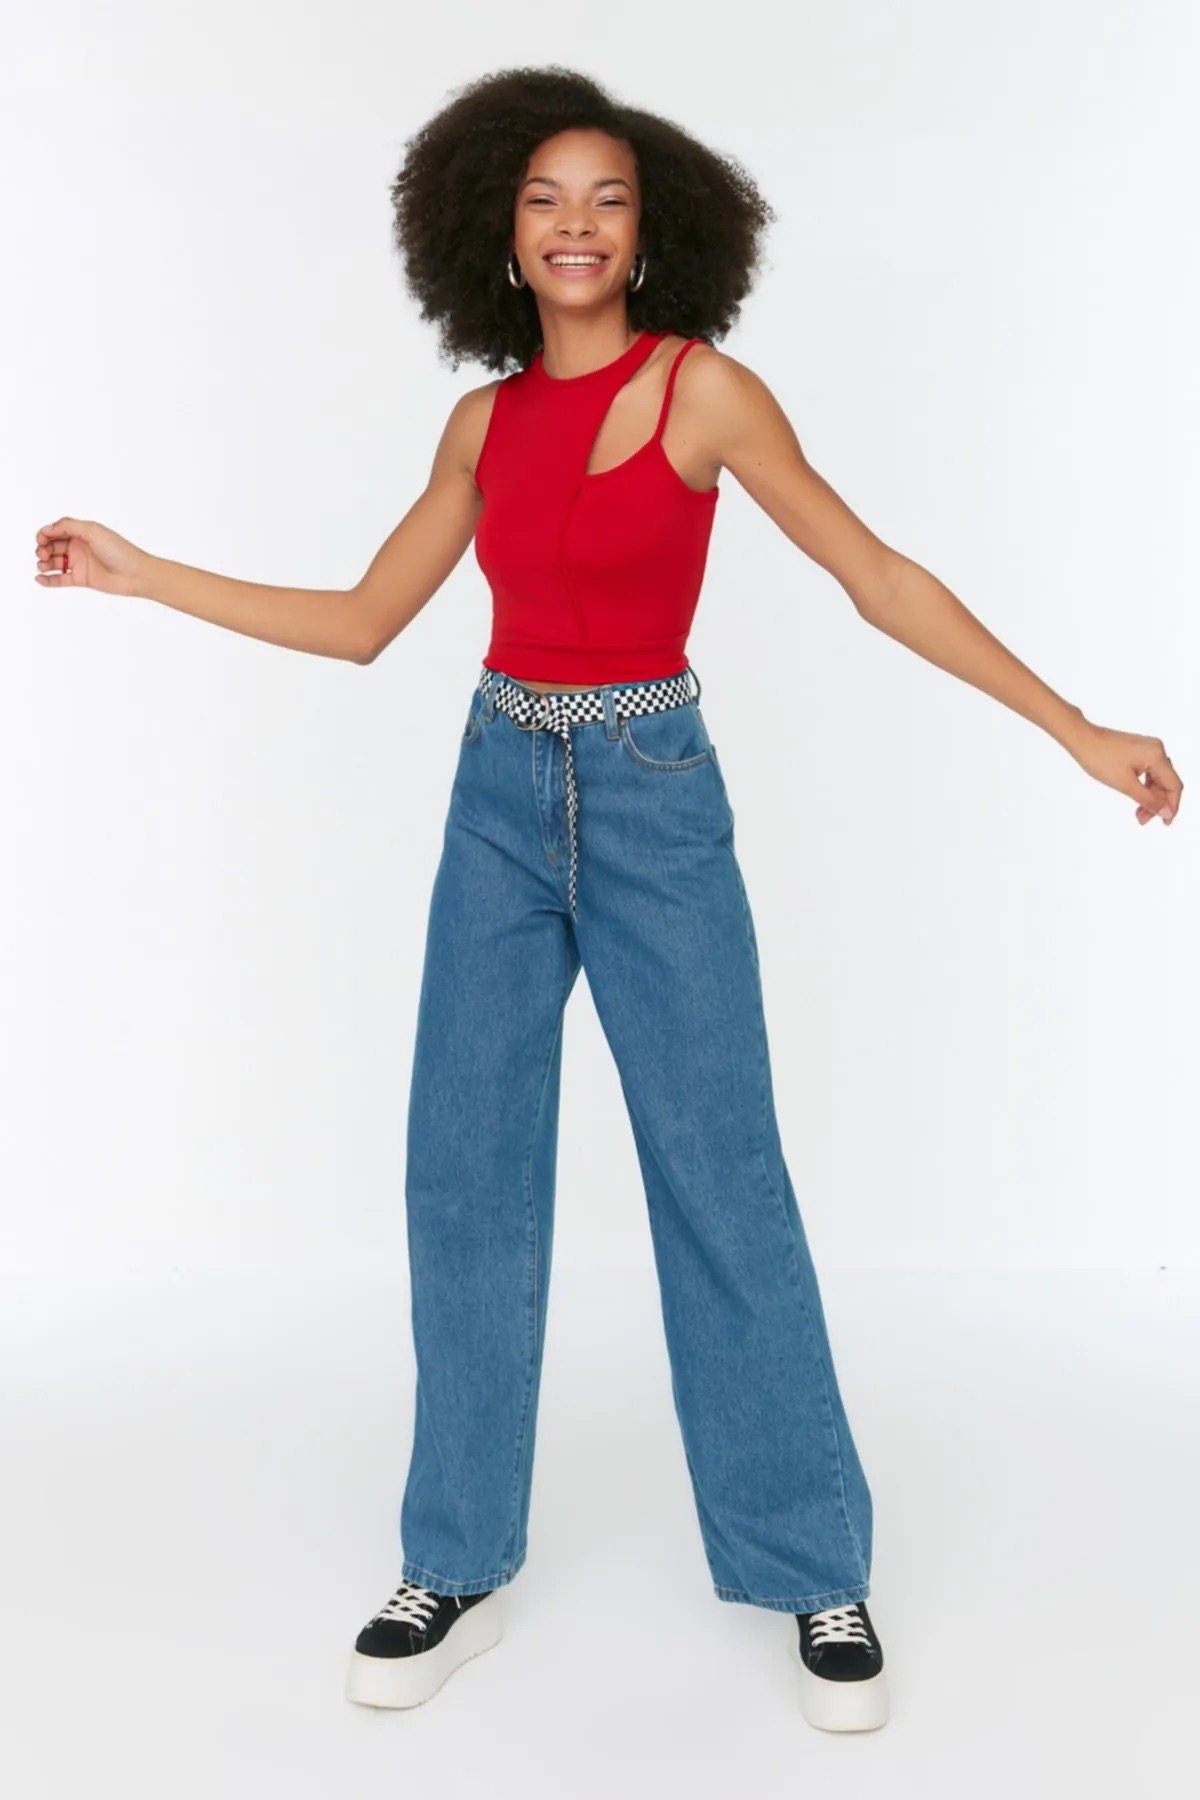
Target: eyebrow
<point>604,181</point>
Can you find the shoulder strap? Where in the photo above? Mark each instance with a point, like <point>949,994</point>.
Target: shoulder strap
<point>680,354</point>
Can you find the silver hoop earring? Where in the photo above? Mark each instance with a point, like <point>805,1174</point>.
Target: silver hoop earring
<point>513,276</point>
<point>635,285</point>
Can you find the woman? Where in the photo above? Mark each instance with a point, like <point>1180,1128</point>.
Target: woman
<point>594,253</point>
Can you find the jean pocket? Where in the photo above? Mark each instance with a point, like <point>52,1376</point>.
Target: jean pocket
<point>674,739</point>
<point>471,728</point>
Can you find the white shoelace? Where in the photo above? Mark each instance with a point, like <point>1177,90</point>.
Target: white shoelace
<point>838,1625</point>
<point>411,1605</point>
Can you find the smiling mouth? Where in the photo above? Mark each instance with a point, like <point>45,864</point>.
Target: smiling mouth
<point>559,259</point>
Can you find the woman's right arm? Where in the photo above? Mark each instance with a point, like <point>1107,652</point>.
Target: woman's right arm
<point>353,624</point>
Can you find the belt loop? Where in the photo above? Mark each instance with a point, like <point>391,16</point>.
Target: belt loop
<point>611,728</point>
<point>490,679</point>
<point>696,679</point>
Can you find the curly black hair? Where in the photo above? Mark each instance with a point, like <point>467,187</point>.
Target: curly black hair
<point>702,215</point>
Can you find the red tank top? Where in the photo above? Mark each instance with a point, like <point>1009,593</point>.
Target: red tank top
<point>594,578</point>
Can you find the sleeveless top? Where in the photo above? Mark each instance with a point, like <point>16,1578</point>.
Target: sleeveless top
<point>594,578</point>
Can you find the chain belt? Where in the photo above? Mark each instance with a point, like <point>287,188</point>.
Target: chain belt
<point>557,712</point>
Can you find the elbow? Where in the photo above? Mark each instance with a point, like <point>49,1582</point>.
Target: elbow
<point>364,641</point>
<point>876,597</point>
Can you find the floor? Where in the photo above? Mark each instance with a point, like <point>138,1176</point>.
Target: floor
<point>204,1464</point>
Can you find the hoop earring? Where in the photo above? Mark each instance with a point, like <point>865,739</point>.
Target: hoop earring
<point>635,285</point>
<point>512,277</point>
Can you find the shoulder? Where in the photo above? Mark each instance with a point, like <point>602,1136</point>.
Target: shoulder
<point>472,410</point>
<point>712,374</point>
<point>727,408</point>
<point>731,398</point>
<point>467,426</point>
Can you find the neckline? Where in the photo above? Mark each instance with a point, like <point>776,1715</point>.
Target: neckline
<point>617,362</point>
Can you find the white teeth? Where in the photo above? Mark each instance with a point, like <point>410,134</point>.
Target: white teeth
<point>574,262</point>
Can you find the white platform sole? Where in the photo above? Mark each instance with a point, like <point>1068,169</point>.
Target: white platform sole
<point>840,1705</point>
<point>408,1680</point>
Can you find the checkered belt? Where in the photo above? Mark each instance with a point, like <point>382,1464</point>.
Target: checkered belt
<point>534,711</point>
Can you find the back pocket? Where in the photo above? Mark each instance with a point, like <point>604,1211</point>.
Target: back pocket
<point>674,739</point>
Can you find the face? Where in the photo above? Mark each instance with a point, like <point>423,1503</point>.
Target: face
<point>578,196</point>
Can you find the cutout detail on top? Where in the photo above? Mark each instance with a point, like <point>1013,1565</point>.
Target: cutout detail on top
<point>653,442</point>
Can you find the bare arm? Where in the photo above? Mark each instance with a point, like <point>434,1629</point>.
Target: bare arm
<point>747,432</point>
<point>351,624</point>
<point>319,620</point>
<point>889,590</point>
<point>431,538</point>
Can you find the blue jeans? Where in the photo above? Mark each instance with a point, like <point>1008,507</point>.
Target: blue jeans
<point>665,934</point>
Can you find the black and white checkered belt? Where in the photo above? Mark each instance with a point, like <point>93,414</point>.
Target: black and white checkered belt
<point>534,711</point>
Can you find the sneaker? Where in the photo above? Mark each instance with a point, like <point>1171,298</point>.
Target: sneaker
<point>404,1653</point>
<point>842,1687</point>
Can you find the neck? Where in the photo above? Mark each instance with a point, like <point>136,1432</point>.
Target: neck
<point>572,346</point>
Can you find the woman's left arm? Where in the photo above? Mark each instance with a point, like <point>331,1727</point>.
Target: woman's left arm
<point>751,436</point>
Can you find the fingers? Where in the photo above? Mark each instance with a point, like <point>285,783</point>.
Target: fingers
<point>61,529</point>
<point>1160,795</point>
<point>53,550</point>
<point>53,559</point>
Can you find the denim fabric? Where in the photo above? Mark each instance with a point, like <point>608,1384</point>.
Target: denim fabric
<point>665,935</point>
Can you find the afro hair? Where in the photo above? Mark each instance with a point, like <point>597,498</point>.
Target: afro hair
<point>702,216</point>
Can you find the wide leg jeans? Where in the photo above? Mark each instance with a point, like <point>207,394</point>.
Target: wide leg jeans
<point>664,932</point>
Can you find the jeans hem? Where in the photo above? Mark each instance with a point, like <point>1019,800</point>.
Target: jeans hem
<point>442,1584</point>
<point>800,1603</point>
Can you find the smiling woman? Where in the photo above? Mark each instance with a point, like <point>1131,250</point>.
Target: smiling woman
<point>590,825</point>
<point>591,256</point>
<point>477,197</point>
<point>575,263</point>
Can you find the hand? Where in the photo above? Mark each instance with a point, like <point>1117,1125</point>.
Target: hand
<point>1118,758</point>
<point>80,553</point>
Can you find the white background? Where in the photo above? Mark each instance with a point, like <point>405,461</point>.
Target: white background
<point>978,310</point>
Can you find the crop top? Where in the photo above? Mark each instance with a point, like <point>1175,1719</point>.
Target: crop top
<point>594,578</point>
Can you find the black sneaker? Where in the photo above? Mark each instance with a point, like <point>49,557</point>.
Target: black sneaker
<point>842,1686</point>
<point>404,1653</point>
